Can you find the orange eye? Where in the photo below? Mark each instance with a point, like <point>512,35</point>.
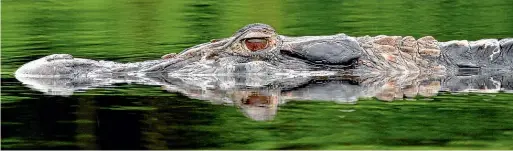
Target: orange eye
<point>255,100</point>
<point>256,44</point>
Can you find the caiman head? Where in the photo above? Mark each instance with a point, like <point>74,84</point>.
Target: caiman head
<point>257,48</point>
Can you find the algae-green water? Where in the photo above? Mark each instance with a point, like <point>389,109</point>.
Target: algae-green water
<point>130,116</point>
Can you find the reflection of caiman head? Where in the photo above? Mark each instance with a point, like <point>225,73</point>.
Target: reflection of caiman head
<point>257,48</point>
<point>257,105</point>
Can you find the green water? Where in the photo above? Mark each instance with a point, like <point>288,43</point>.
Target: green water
<point>145,117</point>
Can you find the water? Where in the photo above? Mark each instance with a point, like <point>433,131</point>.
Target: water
<point>137,116</point>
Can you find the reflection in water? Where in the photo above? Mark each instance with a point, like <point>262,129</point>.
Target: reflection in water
<point>257,105</point>
<point>258,96</point>
<point>136,30</point>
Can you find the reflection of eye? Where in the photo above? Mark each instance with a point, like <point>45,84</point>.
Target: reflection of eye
<point>257,100</point>
<point>256,44</point>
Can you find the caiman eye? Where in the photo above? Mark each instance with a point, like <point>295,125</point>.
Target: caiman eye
<point>256,44</point>
<point>257,100</point>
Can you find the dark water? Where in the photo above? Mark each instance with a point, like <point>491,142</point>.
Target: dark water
<point>133,116</point>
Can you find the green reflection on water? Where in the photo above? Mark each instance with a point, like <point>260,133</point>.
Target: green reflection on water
<point>448,121</point>
<point>139,117</point>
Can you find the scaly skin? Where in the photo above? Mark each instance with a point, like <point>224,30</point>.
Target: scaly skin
<point>338,54</point>
<point>405,54</point>
<point>291,68</point>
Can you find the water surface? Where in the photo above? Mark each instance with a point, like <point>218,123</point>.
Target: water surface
<point>137,116</point>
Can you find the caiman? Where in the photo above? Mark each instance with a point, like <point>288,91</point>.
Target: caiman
<point>256,69</point>
<point>258,49</point>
